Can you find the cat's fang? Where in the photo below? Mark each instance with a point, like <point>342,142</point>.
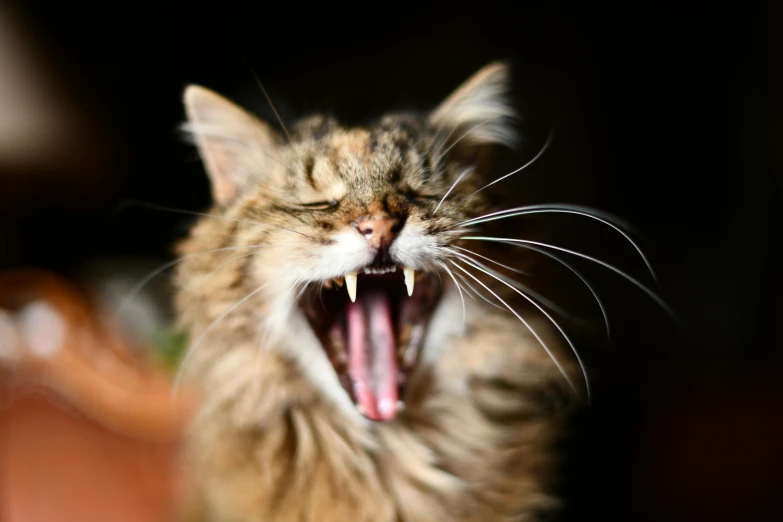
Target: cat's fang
<point>410,276</point>
<point>350,284</point>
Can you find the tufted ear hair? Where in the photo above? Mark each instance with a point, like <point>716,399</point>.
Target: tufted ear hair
<point>235,146</point>
<point>479,109</point>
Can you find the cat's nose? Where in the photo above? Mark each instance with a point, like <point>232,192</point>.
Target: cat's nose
<point>379,229</point>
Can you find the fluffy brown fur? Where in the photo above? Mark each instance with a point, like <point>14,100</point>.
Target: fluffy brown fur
<point>274,439</point>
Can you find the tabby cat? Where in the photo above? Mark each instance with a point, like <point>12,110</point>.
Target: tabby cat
<point>357,358</point>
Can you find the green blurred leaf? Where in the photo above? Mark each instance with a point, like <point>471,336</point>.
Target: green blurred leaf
<point>169,345</point>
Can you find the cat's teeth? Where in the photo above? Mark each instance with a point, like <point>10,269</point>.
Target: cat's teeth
<point>339,280</point>
<point>350,284</point>
<point>367,270</point>
<point>410,276</point>
<point>393,268</point>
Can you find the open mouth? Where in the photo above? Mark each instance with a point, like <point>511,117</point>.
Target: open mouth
<point>372,326</point>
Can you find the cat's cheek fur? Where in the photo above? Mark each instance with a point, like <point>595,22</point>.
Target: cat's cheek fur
<point>348,252</point>
<point>415,248</point>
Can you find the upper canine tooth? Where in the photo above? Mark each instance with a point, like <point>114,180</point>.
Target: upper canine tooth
<point>350,284</point>
<point>410,275</point>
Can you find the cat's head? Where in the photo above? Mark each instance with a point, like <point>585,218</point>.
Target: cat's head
<point>346,228</point>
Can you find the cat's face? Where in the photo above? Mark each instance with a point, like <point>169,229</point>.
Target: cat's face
<point>347,228</point>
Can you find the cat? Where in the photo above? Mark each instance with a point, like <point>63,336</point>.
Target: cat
<point>355,360</point>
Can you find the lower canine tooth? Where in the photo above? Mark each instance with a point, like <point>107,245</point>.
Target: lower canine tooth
<point>350,284</point>
<point>410,276</point>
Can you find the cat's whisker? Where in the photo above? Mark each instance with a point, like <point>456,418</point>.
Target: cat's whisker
<point>527,325</point>
<point>163,208</point>
<point>192,348</point>
<point>543,300</point>
<point>214,271</point>
<point>479,294</point>
<point>464,173</point>
<point>465,289</point>
<point>578,274</point>
<point>465,104</point>
<point>563,209</point>
<point>511,268</point>
<point>272,105</point>
<point>512,241</point>
<point>466,230</point>
<point>459,289</point>
<point>543,311</point>
<point>465,135</point>
<point>134,291</point>
<point>523,167</point>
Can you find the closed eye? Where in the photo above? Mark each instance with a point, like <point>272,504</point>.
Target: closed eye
<point>318,205</point>
<point>415,197</point>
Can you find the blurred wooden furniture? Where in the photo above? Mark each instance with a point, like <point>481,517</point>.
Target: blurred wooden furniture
<point>88,428</point>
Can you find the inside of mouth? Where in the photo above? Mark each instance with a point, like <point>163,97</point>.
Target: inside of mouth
<point>374,341</point>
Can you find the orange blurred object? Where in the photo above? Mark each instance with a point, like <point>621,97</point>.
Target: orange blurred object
<point>89,429</point>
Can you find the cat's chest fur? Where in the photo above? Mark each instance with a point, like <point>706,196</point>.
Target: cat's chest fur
<point>474,443</point>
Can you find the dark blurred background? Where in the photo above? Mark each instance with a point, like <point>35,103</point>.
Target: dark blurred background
<point>665,114</point>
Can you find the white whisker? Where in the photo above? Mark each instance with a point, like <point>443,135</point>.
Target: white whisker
<point>212,272</point>
<point>530,328</point>
<point>206,214</point>
<point>464,280</point>
<point>133,292</point>
<point>566,209</point>
<point>614,269</point>
<point>584,280</point>
<point>272,105</point>
<point>459,289</point>
<point>192,348</point>
<point>464,104</point>
<point>543,300</point>
<point>464,173</point>
<point>470,131</point>
<point>543,311</point>
<point>511,268</point>
<point>538,155</point>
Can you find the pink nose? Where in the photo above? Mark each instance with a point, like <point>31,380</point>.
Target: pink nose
<point>379,229</point>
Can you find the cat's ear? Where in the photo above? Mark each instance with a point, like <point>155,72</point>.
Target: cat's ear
<point>478,112</point>
<point>234,145</point>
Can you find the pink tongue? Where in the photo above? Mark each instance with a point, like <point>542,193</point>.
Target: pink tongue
<point>372,360</point>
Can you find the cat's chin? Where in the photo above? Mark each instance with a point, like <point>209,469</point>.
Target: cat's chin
<point>374,340</point>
